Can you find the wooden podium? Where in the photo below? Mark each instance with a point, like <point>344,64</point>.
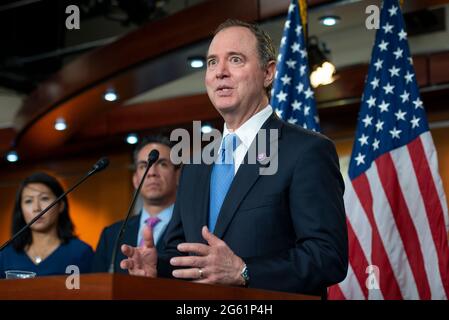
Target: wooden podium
<point>104,286</point>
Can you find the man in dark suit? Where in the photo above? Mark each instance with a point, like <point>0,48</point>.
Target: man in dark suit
<point>158,195</point>
<point>283,231</point>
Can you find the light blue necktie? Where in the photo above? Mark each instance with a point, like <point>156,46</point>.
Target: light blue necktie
<point>221,177</point>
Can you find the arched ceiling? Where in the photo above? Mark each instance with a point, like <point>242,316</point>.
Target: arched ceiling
<point>146,66</point>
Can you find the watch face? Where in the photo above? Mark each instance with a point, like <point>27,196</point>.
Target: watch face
<point>245,274</point>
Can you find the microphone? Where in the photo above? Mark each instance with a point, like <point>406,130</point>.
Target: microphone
<point>152,158</point>
<point>100,165</point>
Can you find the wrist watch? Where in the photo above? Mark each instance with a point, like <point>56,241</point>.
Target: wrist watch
<point>245,275</point>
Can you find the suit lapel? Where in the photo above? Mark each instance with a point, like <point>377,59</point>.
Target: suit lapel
<point>160,245</point>
<point>245,178</point>
<point>243,181</point>
<point>201,204</point>
<point>130,236</point>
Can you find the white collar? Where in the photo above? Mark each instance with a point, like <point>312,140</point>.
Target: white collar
<point>248,131</point>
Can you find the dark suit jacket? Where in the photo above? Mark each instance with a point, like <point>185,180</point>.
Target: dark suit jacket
<point>289,228</point>
<point>103,254</point>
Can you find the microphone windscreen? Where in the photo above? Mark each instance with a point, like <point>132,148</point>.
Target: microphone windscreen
<point>101,164</point>
<point>153,156</point>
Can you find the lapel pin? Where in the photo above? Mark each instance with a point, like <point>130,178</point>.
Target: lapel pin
<point>261,157</point>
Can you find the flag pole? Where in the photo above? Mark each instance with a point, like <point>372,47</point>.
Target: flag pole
<point>303,13</point>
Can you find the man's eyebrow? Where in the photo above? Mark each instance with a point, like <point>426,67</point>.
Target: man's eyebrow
<point>233,53</point>
<point>230,53</point>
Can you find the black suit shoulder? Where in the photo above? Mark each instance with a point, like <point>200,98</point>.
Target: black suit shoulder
<point>103,253</point>
<point>115,227</point>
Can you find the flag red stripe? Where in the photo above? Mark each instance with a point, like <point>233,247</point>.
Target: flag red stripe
<point>433,207</point>
<point>404,223</point>
<point>357,259</point>
<point>388,284</point>
<point>335,293</point>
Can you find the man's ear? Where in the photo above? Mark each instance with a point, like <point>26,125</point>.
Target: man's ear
<point>135,180</point>
<point>269,73</point>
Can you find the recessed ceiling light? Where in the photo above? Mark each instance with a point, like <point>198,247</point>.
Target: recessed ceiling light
<point>196,62</point>
<point>60,124</point>
<point>206,129</point>
<point>329,21</point>
<point>132,138</point>
<point>12,156</point>
<point>110,95</point>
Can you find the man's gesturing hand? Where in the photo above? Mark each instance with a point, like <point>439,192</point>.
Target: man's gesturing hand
<point>141,261</point>
<point>212,263</point>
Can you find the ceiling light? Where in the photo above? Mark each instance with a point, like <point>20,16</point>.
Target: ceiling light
<point>322,75</point>
<point>321,69</point>
<point>110,95</point>
<point>206,128</point>
<point>196,62</point>
<point>12,156</point>
<point>132,138</point>
<point>60,124</point>
<point>329,21</point>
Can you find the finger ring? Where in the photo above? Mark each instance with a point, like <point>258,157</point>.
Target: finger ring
<point>201,272</point>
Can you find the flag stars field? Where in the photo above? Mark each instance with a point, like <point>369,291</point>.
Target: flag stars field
<point>293,97</point>
<point>394,200</point>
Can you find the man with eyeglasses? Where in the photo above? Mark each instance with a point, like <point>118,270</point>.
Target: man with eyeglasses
<point>158,194</point>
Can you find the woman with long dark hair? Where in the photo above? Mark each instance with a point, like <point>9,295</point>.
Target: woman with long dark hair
<point>49,246</point>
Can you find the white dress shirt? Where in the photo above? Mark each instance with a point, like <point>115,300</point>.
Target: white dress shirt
<point>246,133</point>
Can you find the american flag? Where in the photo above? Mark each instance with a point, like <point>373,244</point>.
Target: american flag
<point>292,97</point>
<point>395,204</point>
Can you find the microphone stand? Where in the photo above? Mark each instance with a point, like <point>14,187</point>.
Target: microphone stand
<point>100,165</point>
<point>152,158</point>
